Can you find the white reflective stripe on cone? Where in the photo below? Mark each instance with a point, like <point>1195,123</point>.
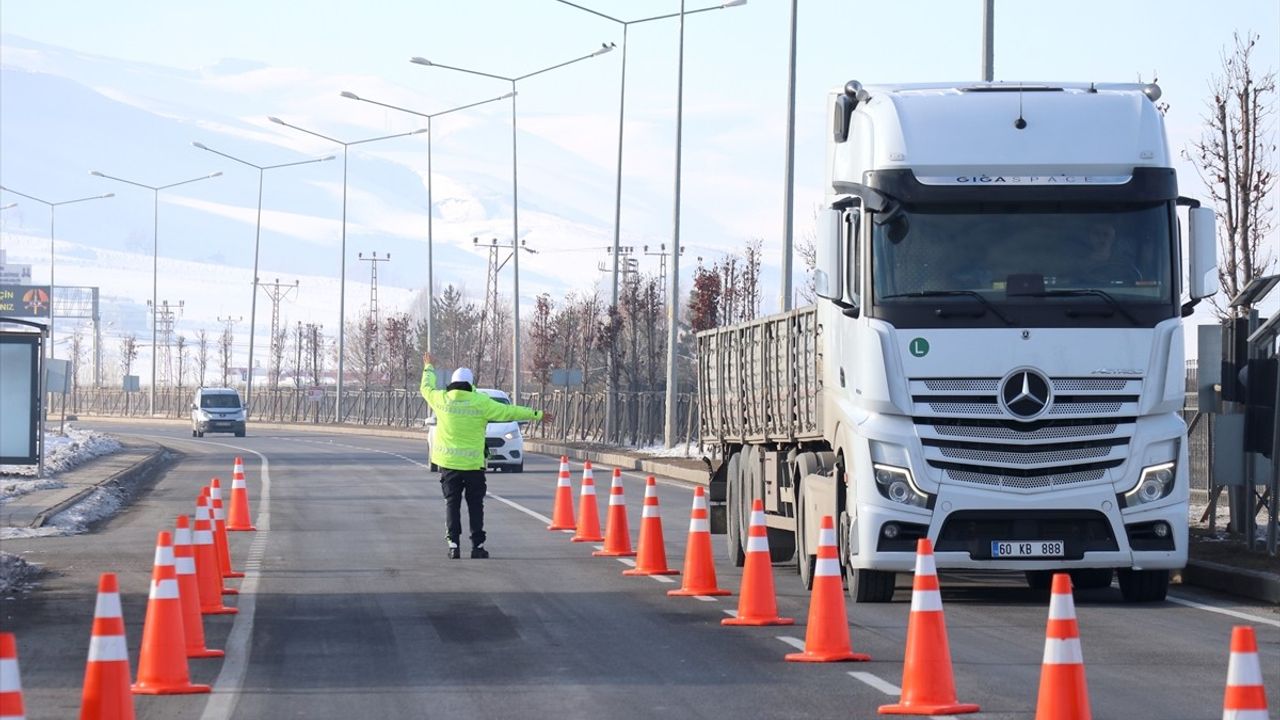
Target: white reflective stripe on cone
<point>215,492</point>
<point>1062,651</point>
<point>616,499</point>
<point>651,491</point>
<point>204,537</point>
<point>757,544</point>
<point>699,502</point>
<point>827,567</point>
<point>827,536</point>
<point>1245,715</point>
<point>563,482</point>
<point>164,590</point>
<point>926,601</point>
<point>9,675</point>
<point>237,483</point>
<point>650,511</point>
<point>108,648</point>
<point>182,536</point>
<point>588,489</point>
<point>108,606</point>
<point>699,525</point>
<point>1243,670</point>
<point>757,517</point>
<point>186,566</point>
<point>164,554</point>
<point>925,565</point>
<point>1062,607</point>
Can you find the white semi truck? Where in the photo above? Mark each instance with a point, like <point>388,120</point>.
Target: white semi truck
<point>995,358</point>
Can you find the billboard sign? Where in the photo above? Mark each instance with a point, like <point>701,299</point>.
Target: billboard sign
<point>24,301</point>
<point>11,274</point>
<point>19,398</point>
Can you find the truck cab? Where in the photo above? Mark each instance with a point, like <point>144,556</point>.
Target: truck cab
<point>998,362</point>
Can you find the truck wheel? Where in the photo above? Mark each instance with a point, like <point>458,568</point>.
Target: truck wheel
<point>1039,580</point>
<point>871,586</point>
<point>734,504</point>
<point>1143,585</point>
<point>1091,578</point>
<point>805,562</point>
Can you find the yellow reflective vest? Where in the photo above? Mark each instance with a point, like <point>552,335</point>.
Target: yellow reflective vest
<point>461,420</point>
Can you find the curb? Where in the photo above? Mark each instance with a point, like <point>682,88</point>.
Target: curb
<point>138,470</point>
<point>1251,584</point>
<point>695,476</point>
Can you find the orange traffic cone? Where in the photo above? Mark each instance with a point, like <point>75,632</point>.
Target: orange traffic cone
<point>699,567</point>
<point>651,558</point>
<point>928,684</point>
<point>827,638</point>
<point>238,518</point>
<point>562,517</point>
<point>162,661</point>
<point>184,559</point>
<point>106,693</point>
<point>588,513</point>
<point>1063,693</point>
<point>207,494</point>
<point>617,536</point>
<point>757,602</point>
<point>10,682</point>
<point>220,533</point>
<point>208,578</point>
<point>1246,699</point>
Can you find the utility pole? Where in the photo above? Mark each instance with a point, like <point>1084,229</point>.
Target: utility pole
<point>491,301</point>
<point>164,318</point>
<point>988,39</point>
<point>373,261</point>
<point>673,306</point>
<point>624,264</point>
<point>661,254</point>
<point>277,293</point>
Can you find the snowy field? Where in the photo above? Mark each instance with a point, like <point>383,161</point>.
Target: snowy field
<point>62,452</point>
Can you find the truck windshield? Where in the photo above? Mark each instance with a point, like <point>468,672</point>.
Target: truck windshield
<point>1039,250</point>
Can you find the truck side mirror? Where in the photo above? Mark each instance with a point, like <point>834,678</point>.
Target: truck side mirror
<point>828,276</point>
<point>1202,246</point>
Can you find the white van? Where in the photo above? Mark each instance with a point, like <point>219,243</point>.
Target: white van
<point>217,410</point>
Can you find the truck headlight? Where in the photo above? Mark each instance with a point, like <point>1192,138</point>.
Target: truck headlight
<point>1155,483</point>
<point>895,484</point>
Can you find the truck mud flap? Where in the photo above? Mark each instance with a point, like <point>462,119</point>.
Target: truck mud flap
<point>717,511</point>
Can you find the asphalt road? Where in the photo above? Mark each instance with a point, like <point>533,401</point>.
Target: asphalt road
<point>351,610</point>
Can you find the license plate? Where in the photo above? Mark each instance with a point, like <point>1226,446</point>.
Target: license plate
<point>1027,548</point>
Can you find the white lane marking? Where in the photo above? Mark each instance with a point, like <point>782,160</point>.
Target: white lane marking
<point>731,613</point>
<point>627,561</point>
<point>1223,611</point>
<point>662,578</point>
<point>794,642</point>
<point>536,515</point>
<point>883,686</point>
<point>705,598</point>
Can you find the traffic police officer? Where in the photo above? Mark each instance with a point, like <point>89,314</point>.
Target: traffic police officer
<point>462,414</point>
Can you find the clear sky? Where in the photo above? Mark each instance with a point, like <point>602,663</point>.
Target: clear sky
<point>735,69</point>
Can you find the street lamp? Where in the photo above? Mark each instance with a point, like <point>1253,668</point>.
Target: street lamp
<point>515,193</point>
<point>617,203</point>
<point>253,304</point>
<point>155,259</point>
<point>430,237</point>
<point>342,280</point>
<point>53,206</point>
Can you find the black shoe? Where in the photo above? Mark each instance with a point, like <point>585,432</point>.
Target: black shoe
<point>479,552</point>
<point>454,553</point>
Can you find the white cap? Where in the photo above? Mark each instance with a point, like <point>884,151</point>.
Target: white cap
<point>463,375</point>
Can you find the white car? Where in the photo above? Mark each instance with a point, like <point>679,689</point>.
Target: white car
<point>503,441</point>
<point>217,410</point>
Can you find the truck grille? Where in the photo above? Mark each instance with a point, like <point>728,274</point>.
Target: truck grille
<point>968,436</point>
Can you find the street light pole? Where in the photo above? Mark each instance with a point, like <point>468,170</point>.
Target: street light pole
<point>431,288</point>
<point>515,202</point>
<point>53,207</point>
<point>342,277</point>
<point>155,261</point>
<point>257,238</point>
<point>788,183</point>
<point>673,311</point>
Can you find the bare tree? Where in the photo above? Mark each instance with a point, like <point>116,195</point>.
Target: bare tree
<point>77,351</point>
<point>542,340</point>
<point>704,299</point>
<point>128,353</point>
<point>807,249</point>
<point>1236,159</point>
<point>202,355</point>
<point>183,347</point>
<point>277,355</point>
<point>225,343</point>
<point>400,336</point>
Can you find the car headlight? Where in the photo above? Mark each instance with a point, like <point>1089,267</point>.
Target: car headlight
<point>511,435</point>
<point>895,483</point>
<point>1155,483</point>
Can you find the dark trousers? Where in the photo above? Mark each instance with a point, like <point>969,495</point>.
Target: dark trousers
<point>457,484</point>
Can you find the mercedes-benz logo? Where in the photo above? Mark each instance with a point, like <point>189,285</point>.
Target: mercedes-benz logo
<point>1025,394</point>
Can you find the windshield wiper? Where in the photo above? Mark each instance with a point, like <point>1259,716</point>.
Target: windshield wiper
<point>1108,297</point>
<point>953,293</point>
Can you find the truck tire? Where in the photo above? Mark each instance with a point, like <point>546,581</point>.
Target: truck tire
<point>805,562</point>
<point>1143,585</point>
<point>734,504</point>
<point>871,586</point>
<point>1091,578</point>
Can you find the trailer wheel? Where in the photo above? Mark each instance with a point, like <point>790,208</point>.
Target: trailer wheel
<point>733,505</point>
<point>1143,585</point>
<point>871,586</point>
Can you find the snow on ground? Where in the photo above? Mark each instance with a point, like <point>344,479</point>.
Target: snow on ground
<point>16,574</point>
<point>62,452</point>
<point>683,451</point>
